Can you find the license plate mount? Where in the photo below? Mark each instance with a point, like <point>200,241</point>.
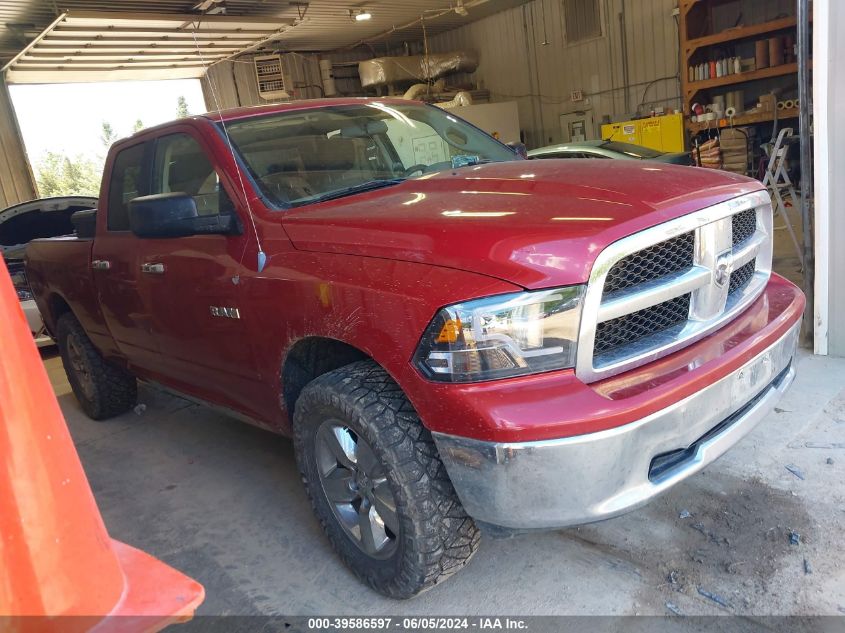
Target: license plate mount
<point>752,378</point>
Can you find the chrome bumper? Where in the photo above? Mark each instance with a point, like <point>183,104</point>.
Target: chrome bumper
<point>576,480</point>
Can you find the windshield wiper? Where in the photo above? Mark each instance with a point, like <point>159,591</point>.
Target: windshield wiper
<point>359,188</point>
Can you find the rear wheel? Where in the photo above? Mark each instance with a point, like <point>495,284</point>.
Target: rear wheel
<point>377,484</point>
<point>102,389</point>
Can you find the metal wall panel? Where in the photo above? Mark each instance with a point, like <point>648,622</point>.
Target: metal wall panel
<point>321,25</point>
<point>16,182</point>
<point>220,87</point>
<point>524,56</point>
<point>501,41</point>
<point>631,68</point>
<point>231,84</point>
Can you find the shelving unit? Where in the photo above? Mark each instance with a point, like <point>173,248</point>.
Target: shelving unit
<point>739,78</point>
<point>743,119</point>
<point>698,40</point>
<point>738,33</point>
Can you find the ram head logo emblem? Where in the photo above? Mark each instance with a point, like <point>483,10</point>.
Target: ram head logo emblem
<point>722,273</point>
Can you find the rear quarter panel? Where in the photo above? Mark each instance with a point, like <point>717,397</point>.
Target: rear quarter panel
<point>59,270</point>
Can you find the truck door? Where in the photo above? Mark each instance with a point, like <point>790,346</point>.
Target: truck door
<point>115,259</point>
<point>194,283</point>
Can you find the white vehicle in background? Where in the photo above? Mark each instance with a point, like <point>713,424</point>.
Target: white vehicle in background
<point>610,149</point>
<point>21,223</point>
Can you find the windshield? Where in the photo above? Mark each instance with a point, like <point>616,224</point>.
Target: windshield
<point>636,151</point>
<point>311,155</point>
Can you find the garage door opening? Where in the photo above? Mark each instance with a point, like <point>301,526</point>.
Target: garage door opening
<point>67,144</point>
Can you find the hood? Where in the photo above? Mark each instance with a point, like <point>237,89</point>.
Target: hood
<point>47,217</point>
<point>535,224</point>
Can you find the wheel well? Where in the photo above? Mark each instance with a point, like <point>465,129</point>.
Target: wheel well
<point>57,307</point>
<point>312,357</point>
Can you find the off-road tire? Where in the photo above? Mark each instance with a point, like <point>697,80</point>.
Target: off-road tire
<point>112,390</point>
<point>437,537</point>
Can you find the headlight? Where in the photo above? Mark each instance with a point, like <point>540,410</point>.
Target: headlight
<point>502,336</point>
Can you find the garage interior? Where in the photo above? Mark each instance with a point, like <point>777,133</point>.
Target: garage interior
<point>222,501</point>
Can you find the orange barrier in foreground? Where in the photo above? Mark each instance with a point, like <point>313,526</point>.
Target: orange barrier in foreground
<point>56,558</point>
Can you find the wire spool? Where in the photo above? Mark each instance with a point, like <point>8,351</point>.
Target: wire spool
<point>797,103</point>
<point>789,104</point>
<point>788,48</point>
<point>736,100</point>
<point>761,54</point>
<point>781,105</point>
<point>730,112</point>
<point>775,51</point>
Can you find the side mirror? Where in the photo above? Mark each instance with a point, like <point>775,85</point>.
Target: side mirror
<point>175,215</point>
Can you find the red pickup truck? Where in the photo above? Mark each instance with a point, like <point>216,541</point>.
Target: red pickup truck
<point>457,340</point>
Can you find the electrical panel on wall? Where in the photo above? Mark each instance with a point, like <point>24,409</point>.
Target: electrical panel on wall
<point>270,77</point>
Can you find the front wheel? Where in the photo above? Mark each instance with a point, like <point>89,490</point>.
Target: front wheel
<point>102,389</point>
<point>377,484</point>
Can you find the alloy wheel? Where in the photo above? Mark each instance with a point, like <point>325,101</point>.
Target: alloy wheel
<point>355,484</point>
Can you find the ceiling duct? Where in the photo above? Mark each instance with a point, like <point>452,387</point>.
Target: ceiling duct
<point>415,68</point>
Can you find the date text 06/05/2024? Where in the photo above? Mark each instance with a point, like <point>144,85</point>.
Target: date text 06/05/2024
<point>417,623</point>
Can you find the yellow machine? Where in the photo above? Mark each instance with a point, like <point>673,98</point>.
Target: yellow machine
<point>663,133</point>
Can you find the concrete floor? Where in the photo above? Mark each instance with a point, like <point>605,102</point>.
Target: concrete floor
<point>221,501</point>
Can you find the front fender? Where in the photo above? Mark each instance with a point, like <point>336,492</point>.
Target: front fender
<point>380,307</point>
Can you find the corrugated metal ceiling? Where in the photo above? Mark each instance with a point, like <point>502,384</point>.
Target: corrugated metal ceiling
<point>315,25</point>
<point>96,46</point>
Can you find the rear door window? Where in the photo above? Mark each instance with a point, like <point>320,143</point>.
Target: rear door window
<point>125,184</point>
<point>182,166</point>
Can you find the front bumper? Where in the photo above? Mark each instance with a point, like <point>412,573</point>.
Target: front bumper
<point>585,478</point>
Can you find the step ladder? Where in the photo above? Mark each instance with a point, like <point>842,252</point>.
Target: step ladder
<point>777,181</point>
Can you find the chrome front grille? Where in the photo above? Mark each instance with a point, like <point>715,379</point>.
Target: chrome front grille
<point>741,276</point>
<point>666,287</point>
<point>651,263</point>
<point>743,225</point>
<point>638,325</point>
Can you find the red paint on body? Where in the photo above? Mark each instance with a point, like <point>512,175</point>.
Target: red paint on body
<point>372,269</point>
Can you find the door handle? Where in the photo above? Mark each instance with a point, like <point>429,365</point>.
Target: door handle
<point>153,269</point>
<point>101,264</point>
